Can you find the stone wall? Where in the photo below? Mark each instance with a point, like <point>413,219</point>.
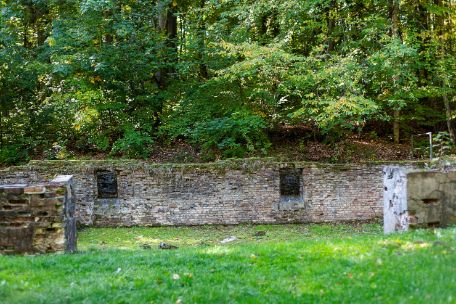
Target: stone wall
<point>419,198</point>
<point>126,193</point>
<point>38,218</point>
<point>431,198</point>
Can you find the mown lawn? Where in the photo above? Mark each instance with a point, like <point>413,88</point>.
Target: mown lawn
<point>290,264</point>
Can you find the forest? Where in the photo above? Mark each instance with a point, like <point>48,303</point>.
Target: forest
<point>227,78</point>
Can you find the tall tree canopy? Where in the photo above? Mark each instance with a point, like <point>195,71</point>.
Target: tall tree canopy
<point>117,76</point>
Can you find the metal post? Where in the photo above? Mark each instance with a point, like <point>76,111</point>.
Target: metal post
<point>430,144</point>
<point>413,148</point>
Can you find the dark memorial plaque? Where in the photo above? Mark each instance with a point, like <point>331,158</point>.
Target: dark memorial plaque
<point>290,182</point>
<point>291,189</point>
<point>107,184</point>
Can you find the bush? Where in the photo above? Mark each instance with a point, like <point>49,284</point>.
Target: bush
<point>232,136</point>
<point>442,144</point>
<point>13,154</point>
<point>134,144</point>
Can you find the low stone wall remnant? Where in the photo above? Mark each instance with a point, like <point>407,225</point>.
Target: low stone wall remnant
<point>418,198</point>
<point>38,218</point>
<point>263,191</point>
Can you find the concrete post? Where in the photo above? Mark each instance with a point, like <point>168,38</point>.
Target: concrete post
<point>395,214</point>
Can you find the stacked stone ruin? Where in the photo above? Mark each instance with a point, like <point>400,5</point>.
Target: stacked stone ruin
<point>38,218</point>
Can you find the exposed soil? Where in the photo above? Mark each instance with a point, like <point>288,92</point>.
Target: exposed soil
<point>289,144</point>
<point>353,149</point>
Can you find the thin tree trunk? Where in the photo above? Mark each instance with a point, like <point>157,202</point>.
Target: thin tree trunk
<point>167,23</point>
<point>108,37</point>
<point>182,36</point>
<point>331,25</point>
<point>1,129</point>
<point>394,6</point>
<point>202,44</point>
<point>26,22</point>
<point>396,126</point>
<point>40,24</point>
<point>449,117</point>
<point>440,33</point>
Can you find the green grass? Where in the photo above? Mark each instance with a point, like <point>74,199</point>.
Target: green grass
<point>291,264</point>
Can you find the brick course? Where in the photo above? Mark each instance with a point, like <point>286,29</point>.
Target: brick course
<point>226,192</point>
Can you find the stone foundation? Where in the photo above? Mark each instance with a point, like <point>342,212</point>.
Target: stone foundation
<point>38,218</point>
<point>418,199</point>
<point>127,193</point>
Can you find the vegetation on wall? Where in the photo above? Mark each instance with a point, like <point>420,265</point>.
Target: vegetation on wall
<point>121,77</point>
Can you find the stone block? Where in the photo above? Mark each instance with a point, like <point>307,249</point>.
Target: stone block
<point>38,218</point>
<point>16,240</point>
<point>34,190</point>
<point>13,188</point>
<point>418,199</point>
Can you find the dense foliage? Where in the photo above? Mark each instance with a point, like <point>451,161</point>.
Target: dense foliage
<point>120,76</point>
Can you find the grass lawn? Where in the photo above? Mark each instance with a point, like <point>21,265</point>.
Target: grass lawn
<point>290,264</point>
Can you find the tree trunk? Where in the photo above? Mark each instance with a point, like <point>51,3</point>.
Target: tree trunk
<point>182,37</point>
<point>1,128</point>
<point>394,11</point>
<point>396,126</point>
<point>167,23</point>
<point>331,25</point>
<point>202,44</point>
<point>449,118</point>
<point>107,36</point>
<point>26,22</point>
<point>440,33</point>
<point>451,45</point>
<point>40,20</point>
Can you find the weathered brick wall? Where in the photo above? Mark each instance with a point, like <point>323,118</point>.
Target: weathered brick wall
<point>37,218</point>
<point>228,192</point>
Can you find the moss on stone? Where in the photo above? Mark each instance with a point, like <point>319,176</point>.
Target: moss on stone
<point>246,165</point>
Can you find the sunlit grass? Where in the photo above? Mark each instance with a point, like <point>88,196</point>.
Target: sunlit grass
<point>133,238</point>
<point>290,264</point>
